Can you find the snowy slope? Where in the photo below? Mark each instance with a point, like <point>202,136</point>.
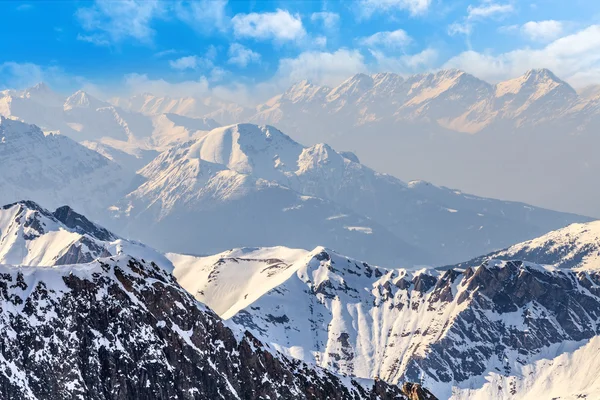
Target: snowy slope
<point>190,205</point>
<point>31,235</point>
<point>570,375</point>
<point>576,246</point>
<point>55,170</point>
<point>263,178</point>
<point>99,124</point>
<point>449,330</point>
<point>123,327</point>
<point>121,286</point>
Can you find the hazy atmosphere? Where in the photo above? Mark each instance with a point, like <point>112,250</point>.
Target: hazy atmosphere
<point>357,200</point>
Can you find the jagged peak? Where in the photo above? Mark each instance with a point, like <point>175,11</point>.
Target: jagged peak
<point>541,73</point>
<point>80,223</point>
<point>82,99</point>
<point>28,205</point>
<point>350,155</point>
<point>539,81</point>
<point>67,217</point>
<point>360,80</point>
<point>39,87</point>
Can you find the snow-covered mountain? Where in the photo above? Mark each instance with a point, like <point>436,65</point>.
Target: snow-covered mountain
<point>100,125</point>
<point>260,188</point>
<point>576,246</point>
<point>456,130</point>
<point>55,170</point>
<point>203,197</point>
<point>455,331</point>
<point>32,235</point>
<point>64,326</point>
<point>450,98</point>
<point>209,107</point>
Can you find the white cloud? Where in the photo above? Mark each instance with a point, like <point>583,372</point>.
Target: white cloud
<point>279,25</point>
<point>111,21</point>
<point>488,9</point>
<point>195,62</point>
<point>188,62</point>
<point>241,55</point>
<point>320,41</point>
<point>203,15</point>
<point>321,68</point>
<point>14,75</point>
<point>119,20</point>
<point>414,7</point>
<point>329,20</point>
<point>460,28</point>
<point>405,64</point>
<point>575,58</point>
<point>543,30</point>
<point>140,83</point>
<point>165,53</point>
<point>98,40</point>
<point>389,39</point>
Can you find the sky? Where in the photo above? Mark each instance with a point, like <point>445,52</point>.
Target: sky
<point>248,51</point>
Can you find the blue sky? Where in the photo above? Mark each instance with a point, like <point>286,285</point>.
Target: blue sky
<point>248,50</point>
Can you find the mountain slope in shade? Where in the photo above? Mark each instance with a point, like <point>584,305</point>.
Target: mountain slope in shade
<point>190,205</point>
<point>55,170</point>
<point>569,375</point>
<point>31,235</point>
<point>229,176</point>
<point>576,246</point>
<point>174,346</point>
<point>449,330</point>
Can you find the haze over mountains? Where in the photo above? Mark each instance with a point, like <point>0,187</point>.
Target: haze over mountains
<point>439,127</point>
<point>331,279</point>
<point>442,126</point>
<point>254,186</point>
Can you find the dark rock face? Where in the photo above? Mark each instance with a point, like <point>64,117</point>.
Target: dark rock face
<point>511,308</point>
<point>73,220</point>
<point>416,392</point>
<point>124,329</point>
<point>37,222</point>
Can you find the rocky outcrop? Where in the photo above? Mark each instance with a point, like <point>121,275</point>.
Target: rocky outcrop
<point>122,328</point>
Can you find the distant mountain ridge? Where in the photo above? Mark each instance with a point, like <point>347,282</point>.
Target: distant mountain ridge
<point>56,170</point>
<point>513,139</point>
<point>254,186</point>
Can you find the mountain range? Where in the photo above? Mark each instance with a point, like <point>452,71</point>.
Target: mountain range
<point>456,130</point>
<point>177,262</point>
<point>439,127</point>
<point>131,139</point>
<point>249,185</point>
<point>491,331</point>
<point>120,327</point>
<point>494,329</point>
